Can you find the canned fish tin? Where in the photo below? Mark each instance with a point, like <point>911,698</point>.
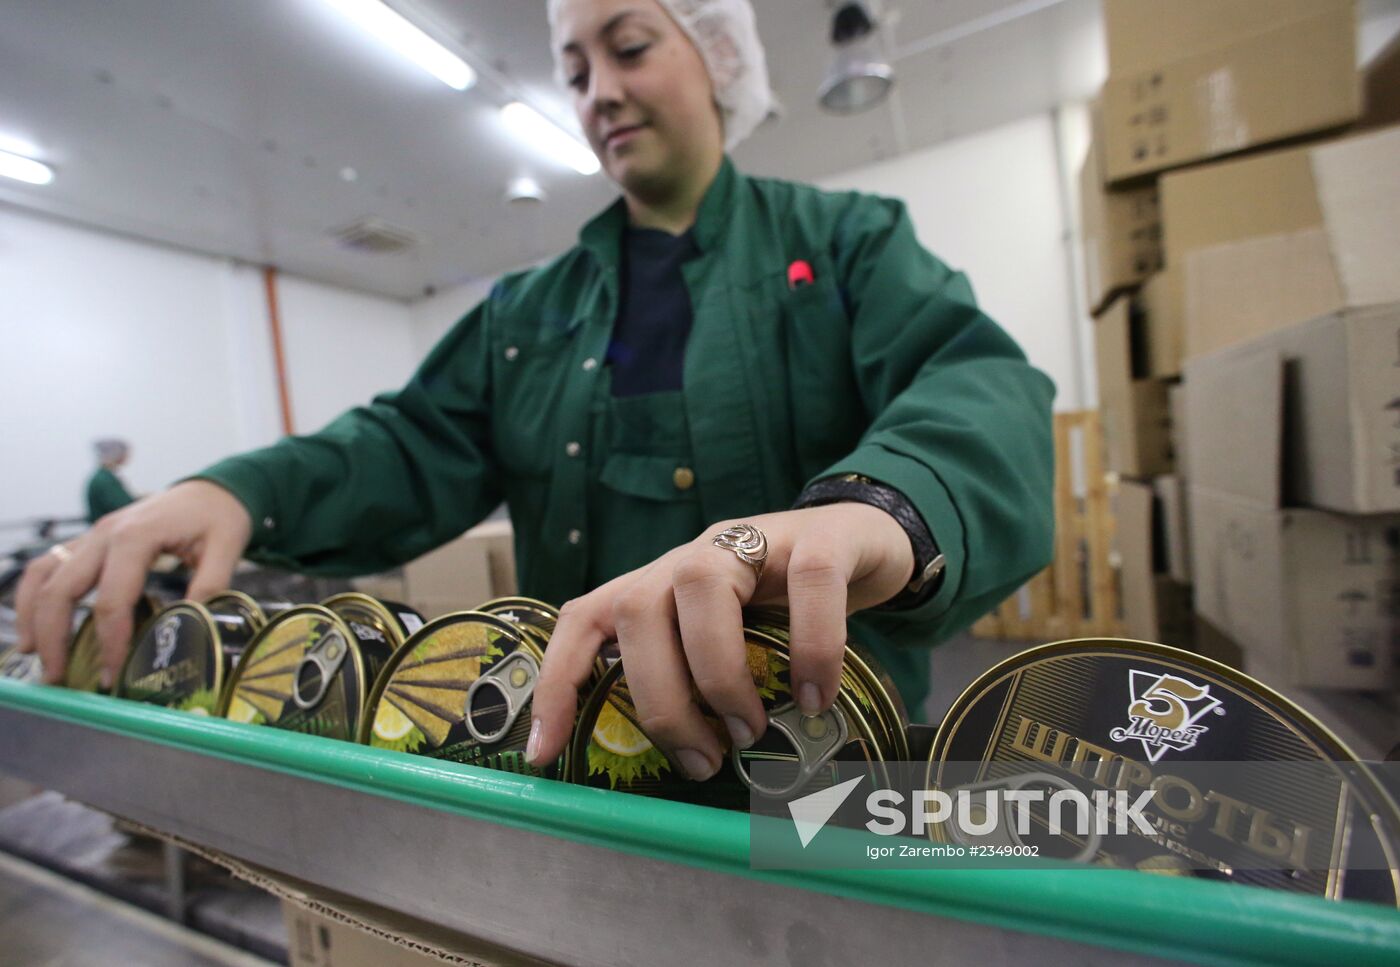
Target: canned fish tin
<point>869,685</point>
<point>610,750</point>
<point>524,611</point>
<point>183,656</point>
<point>239,603</point>
<point>305,672</point>
<point>380,626</point>
<point>375,619</point>
<point>1289,808</point>
<point>84,671</point>
<point>459,690</point>
<point>21,667</point>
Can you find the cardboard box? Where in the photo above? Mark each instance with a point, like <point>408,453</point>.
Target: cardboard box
<point>1161,302</point>
<point>1278,238</point>
<point>1381,87</point>
<point>1122,232</point>
<point>1170,493</point>
<point>1155,608</point>
<point>1150,33</point>
<point>1135,411</point>
<point>1200,100</point>
<point>1308,416</point>
<point>316,940</point>
<point>1181,446</point>
<point>1312,598</point>
<point>325,929</point>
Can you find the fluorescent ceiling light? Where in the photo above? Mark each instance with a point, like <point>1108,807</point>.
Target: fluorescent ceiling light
<point>24,169</point>
<point>548,138</point>
<point>391,28</point>
<point>16,145</point>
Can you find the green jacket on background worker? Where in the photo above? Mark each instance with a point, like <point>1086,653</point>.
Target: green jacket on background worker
<point>883,365</point>
<point>105,493</point>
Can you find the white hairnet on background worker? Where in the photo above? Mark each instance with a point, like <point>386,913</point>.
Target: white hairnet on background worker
<point>110,449</point>
<point>725,33</point>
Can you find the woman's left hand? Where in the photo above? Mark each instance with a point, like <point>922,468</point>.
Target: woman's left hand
<point>677,621</point>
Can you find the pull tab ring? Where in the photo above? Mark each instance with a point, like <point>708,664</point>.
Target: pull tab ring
<point>514,676</point>
<point>323,661</point>
<point>816,738</point>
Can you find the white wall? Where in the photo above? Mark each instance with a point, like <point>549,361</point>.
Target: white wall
<point>106,336</point>
<point>341,348</point>
<point>990,205</point>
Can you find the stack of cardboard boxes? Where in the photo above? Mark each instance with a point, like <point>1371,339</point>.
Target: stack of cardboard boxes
<point>1248,333</point>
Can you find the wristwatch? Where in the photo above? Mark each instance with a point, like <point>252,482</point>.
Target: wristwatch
<point>929,562</point>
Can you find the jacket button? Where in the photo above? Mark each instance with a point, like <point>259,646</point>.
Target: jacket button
<point>683,478</point>
<point>572,448</point>
<point>590,364</point>
<point>512,352</point>
<point>575,536</point>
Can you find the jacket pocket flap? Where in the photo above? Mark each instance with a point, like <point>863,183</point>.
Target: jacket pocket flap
<point>650,477</point>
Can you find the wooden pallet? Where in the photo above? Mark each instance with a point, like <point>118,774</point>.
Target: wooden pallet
<point>1077,595</point>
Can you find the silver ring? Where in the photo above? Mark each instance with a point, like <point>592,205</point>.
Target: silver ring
<point>61,552</point>
<point>748,544</point>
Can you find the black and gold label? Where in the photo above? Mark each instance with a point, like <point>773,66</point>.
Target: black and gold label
<point>303,673</point>
<point>1244,785</point>
<point>378,630</point>
<point>459,690</point>
<point>177,661</point>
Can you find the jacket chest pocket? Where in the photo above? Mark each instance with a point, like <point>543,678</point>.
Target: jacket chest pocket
<point>809,333</point>
<point>527,411</point>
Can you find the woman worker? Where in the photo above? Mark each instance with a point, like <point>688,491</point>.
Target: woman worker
<point>717,350</point>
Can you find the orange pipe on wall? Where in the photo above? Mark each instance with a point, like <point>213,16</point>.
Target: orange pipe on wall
<point>274,321</point>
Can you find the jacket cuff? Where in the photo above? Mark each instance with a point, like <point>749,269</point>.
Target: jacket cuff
<point>923,488</point>
<point>250,484</point>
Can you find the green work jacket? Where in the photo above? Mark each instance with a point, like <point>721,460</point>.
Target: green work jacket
<point>883,365</point>
<point>105,493</point>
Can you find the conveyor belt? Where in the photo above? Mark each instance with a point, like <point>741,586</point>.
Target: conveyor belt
<point>586,876</point>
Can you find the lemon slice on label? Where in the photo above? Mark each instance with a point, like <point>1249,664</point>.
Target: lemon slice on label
<point>390,723</point>
<point>241,711</point>
<point>617,735</point>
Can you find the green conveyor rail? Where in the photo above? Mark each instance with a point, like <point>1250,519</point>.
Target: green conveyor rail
<point>1198,920</point>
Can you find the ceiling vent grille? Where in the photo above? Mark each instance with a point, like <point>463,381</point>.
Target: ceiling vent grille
<point>374,236</point>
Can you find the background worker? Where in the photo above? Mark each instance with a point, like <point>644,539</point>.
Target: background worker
<point>105,490</point>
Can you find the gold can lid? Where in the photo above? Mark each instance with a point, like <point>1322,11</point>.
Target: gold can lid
<point>303,673</point>
<point>611,750</point>
<point>1241,775</point>
<point>237,604</point>
<point>458,689</point>
<point>177,660</point>
<point>368,617</point>
<point>84,670</point>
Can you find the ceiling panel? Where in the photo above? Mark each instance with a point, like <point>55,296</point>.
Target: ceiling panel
<point>224,126</point>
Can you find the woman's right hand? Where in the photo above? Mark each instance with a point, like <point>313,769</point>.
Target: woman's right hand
<point>198,521</point>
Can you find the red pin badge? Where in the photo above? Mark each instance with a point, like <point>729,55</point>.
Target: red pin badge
<point>800,273</point>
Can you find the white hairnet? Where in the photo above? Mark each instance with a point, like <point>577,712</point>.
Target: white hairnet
<point>726,34</point>
<point>109,449</point>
